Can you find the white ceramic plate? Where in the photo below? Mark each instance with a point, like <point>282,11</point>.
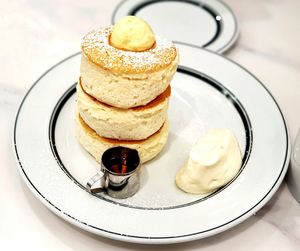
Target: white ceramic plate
<point>205,23</point>
<point>208,91</point>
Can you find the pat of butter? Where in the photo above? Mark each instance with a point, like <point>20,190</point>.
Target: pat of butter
<point>213,162</point>
<point>133,34</point>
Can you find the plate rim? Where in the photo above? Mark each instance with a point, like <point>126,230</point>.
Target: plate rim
<point>229,44</point>
<point>153,240</point>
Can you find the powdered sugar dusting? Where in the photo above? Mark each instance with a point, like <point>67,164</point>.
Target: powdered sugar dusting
<point>97,48</point>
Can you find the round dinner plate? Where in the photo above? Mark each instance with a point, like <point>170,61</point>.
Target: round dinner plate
<point>208,91</point>
<point>205,23</point>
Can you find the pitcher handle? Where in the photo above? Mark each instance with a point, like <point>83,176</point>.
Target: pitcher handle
<point>99,178</point>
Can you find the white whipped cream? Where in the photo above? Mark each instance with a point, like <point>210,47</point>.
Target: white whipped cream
<point>213,162</point>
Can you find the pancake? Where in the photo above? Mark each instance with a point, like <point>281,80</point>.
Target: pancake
<point>96,145</point>
<point>116,123</point>
<point>122,78</point>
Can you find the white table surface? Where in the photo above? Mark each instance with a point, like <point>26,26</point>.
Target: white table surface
<point>36,34</point>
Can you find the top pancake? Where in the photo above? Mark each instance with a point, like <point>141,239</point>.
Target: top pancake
<point>97,49</point>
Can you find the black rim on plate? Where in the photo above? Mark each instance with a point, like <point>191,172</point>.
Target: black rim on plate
<point>70,218</point>
<point>185,70</point>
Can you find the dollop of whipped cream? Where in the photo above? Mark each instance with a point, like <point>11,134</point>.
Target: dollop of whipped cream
<point>213,162</point>
<point>132,34</point>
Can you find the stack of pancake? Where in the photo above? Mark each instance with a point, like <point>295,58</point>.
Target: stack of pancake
<point>122,96</point>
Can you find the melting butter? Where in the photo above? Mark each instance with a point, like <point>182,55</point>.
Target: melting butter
<point>133,34</point>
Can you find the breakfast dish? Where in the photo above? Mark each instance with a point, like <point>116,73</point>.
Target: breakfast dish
<point>124,89</point>
<point>56,168</point>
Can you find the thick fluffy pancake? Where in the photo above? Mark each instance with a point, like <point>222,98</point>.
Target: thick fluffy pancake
<point>125,79</point>
<point>116,123</point>
<point>124,90</point>
<point>96,145</point>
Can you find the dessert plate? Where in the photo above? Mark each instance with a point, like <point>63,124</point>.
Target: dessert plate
<point>208,91</point>
<point>206,23</point>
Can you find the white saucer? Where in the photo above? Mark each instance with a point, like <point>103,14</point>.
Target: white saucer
<point>293,175</point>
<point>208,91</point>
<point>204,23</point>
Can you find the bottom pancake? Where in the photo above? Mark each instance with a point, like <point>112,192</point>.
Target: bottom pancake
<point>96,145</point>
